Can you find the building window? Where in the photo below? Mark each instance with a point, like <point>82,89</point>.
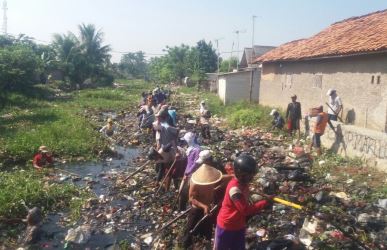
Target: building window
<point>378,80</point>
<point>317,81</point>
<point>289,81</point>
<point>372,79</point>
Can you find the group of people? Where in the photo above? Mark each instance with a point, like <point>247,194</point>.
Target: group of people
<point>294,116</point>
<point>218,196</point>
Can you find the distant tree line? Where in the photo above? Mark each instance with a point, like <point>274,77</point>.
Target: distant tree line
<point>79,59</point>
<point>178,62</point>
<point>83,58</point>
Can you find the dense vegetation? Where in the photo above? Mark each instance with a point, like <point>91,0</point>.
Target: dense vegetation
<point>78,60</point>
<point>59,123</point>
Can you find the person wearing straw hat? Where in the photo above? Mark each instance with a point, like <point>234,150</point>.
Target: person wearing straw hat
<point>43,158</point>
<point>203,185</point>
<point>293,116</point>
<point>278,122</point>
<point>109,129</point>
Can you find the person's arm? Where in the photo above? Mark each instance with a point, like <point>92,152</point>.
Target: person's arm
<point>340,105</point>
<point>103,129</point>
<point>318,119</point>
<point>243,206</point>
<point>194,155</point>
<point>35,162</point>
<point>195,202</point>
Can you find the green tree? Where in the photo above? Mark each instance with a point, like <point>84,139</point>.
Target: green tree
<point>133,64</point>
<point>178,62</point>
<point>83,57</point>
<point>207,57</point>
<point>96,55</point>
<point>228,64</point>
<point>160,71</point>
<point>20,67</point>
<point>70,59</point>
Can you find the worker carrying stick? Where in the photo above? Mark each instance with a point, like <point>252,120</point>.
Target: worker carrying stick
<point>335,106</point>
<point>206,189</point>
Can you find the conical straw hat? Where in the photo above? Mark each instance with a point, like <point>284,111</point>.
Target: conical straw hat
<point>206,175</point>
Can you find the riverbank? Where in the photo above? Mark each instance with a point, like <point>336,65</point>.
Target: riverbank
<point>128,212</point>
<point>60,121</point>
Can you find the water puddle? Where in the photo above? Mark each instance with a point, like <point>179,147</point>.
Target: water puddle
<point>99,177</point>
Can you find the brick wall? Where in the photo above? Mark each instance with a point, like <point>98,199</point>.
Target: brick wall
<point>365,103</point>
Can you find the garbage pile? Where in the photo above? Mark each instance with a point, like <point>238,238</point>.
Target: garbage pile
<point>317,214</point>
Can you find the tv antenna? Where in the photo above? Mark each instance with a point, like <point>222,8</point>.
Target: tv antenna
<point>237,32</point>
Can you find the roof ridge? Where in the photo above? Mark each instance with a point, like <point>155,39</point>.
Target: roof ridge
<point>358,17</point>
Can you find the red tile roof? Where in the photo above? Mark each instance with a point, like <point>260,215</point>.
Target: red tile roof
<point>355,35</point>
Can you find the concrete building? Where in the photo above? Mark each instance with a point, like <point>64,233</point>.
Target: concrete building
<point>239,86</point>
<point>243,85</point>
<point>349,56</point>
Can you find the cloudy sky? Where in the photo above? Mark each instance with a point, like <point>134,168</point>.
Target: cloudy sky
<point>150,25</point>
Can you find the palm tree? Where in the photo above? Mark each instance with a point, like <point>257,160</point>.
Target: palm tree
<point>91,40</point>
<point>69,56</point>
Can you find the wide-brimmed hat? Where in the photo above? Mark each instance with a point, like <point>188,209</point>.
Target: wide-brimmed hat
<point>203,155</point>
<point>43,149</point>
<point>110,120</point>
<point>206,175</point>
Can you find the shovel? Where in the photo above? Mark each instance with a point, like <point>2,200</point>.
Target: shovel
<point>137,171</point>
<point>145,236</point>
<point>166,176</point>
<point>204,218</point>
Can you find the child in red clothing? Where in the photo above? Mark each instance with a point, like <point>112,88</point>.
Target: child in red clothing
<point>231,220</point>
<point>42,159</point>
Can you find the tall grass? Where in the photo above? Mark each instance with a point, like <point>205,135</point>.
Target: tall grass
<point>27,122</point>
<point>237,114</point>
<point>29,187</point>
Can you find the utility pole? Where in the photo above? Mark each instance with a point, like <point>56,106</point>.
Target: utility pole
<point>252,39</point>
<point>237,33</point>
<point>5,8</point>
<point>217,49</point>
<point>229,61</point>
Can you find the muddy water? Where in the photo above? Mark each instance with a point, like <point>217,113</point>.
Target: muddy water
<point>100,173</point>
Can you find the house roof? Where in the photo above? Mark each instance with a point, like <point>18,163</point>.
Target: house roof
<point>356,35</point>
<point>259,50</point>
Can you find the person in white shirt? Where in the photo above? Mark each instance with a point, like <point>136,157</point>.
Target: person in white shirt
<point>335,105</point>
<point>205,116</point>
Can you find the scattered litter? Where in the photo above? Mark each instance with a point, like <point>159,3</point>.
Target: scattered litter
<point>79,235</point>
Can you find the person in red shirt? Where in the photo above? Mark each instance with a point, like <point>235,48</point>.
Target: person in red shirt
<point>231,220</point>
<point>42,158</point>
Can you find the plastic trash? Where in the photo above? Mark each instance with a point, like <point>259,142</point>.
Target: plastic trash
<point>79,235</point>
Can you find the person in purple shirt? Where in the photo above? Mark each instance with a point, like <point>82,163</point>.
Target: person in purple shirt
<point>192,153</point>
